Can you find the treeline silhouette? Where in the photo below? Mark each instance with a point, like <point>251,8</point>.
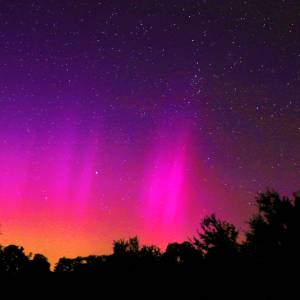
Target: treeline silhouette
<point>271,242</point>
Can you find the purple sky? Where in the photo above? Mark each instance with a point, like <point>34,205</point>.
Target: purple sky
<point>140,117</point>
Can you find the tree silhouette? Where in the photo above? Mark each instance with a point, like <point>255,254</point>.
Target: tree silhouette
<point>120,247</point>
<point>133,245</point>
<point>125,255</point>
<point>65,265</point>
<point>216,239</point>
<point>39,264</point>
<point>271,244</point>
<point>13,259</point>
<point>150,253</point>
<point>182,254</point>
<point>274,230</point>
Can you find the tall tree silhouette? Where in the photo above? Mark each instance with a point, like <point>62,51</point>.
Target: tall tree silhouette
<point>274,230</point>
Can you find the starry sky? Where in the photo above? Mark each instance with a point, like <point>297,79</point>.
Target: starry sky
<point>122,118</point>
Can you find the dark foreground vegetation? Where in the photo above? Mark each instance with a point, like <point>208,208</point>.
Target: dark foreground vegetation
<point>271,246</point>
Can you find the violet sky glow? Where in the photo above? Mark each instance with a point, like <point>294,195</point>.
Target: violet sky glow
<point>122,118</point>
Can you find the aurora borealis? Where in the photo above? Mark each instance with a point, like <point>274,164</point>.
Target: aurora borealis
<point>122,118</point>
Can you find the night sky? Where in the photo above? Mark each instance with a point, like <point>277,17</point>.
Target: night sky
<point>122,118</point>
